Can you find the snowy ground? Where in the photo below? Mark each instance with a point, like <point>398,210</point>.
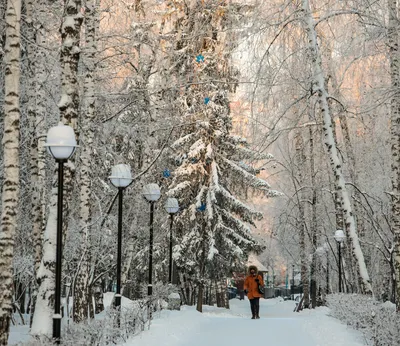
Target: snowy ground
<point>278,326</point>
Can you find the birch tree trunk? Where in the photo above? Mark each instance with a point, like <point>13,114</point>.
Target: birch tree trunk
<point>10,190</point>
<point>350,274</point>
<point>313,225</point>
<point>319,87</point>
<point>36,112</point>
<point>68,106</point>
<point>300,164</point>
<point>82,298</point>
<point>393,39</point>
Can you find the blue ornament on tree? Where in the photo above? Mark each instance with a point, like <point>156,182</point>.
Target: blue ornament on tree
<point>206,100</point>
<point>202,207</point>
<point>200,58</point>
<point>166,173</point>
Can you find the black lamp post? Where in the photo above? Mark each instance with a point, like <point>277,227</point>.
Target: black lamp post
<point>292,280</point>
<point>61,144</point>
<point>121,177</point>
<point>340,237</point>
<point>172,207</point>
<point>152,193</point>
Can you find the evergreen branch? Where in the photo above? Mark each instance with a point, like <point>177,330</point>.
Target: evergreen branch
<point>182,141</point>
<point>251,180</point>
<point>235,205</point>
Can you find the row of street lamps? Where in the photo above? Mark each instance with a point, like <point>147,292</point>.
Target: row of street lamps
<point>61,144</point>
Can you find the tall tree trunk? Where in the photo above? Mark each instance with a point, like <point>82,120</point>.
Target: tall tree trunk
<point>313,225</point>
<point>69,103</point>
<point>350,274</point>
<point>393,39</point>
<point>10,190</point>
<point>43,317</point>
<point>68,106</point>
<point>319,87</point>
<point>82,298</point>
<point>36,15</point>
<point>300,163</point>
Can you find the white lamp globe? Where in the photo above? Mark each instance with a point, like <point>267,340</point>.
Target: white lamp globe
<point>171,206</point>
<point>151,192</point>
<point>339,236</point>
<point>121,175</point>
<point>61,142</point>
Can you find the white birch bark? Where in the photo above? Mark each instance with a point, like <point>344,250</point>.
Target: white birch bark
<point>350,275</point>
<point>42,322</point>
<point>393,39</point>
<point>300,165</point>
<point>35,15</point>
<point>313,224</point>
<point>319,87</point>
<point>10,190</point>
<point>69,102</point>
<point>68,106</point>
<point>82,298</point>
<point>38,205</point>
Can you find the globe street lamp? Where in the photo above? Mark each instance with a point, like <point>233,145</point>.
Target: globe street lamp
<point>61,144</point>
<point>172,207</point>
<point>152,193</point>
<point>121,177</point>
<point>340,237</point>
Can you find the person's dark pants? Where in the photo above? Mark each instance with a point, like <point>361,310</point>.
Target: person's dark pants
<point>241,294</point>
<point>255,307</point>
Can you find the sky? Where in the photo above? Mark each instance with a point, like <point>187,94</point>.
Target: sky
<point>278,326</point>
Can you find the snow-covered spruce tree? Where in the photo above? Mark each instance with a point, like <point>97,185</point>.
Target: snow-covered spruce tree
<point>10,190</point>
<point>213,225</point>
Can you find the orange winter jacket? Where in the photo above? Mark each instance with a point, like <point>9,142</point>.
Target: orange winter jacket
<point>251,286</point>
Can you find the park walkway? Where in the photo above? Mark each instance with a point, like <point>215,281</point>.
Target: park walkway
<point>278,326</point>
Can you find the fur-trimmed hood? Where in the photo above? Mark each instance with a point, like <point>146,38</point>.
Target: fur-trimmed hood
<point>253,267</point>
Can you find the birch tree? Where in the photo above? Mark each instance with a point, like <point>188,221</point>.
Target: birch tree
<point>36,16</point>
<point>68,106</point>
<point>10,190</point>
<point>313,222</point>
<point>302,226</point>
<point>82,294</point>
<point>318,83</point>
<point>393,42</point>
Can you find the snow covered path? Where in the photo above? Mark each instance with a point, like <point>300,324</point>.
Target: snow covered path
<point>278,326</point>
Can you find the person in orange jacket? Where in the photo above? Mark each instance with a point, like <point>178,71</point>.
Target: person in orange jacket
<point>251,289</point>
